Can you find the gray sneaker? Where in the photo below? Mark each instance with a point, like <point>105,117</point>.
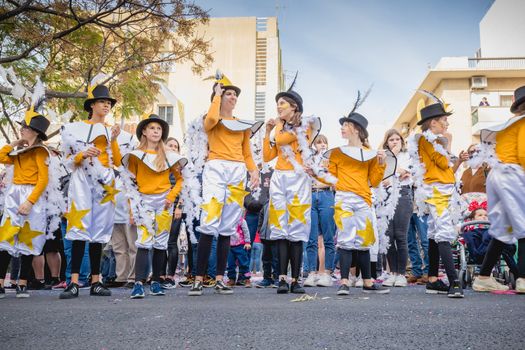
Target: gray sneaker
<point>376,288</point>
<point>196,289</point>
<point>21,292</point>
<point>343,290</point>
<point>221,288</point>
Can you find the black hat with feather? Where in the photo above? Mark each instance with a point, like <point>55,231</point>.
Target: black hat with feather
<point>355,117</point>
<point>434,110</point>
<point>33,117</point>
<point>292,94</point>
<point>97,91</point>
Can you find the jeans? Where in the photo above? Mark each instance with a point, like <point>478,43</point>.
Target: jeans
<point>252,219</point>
<point>108,267</point>
<point>255,258</point>
<point>85,268</point>
<point>397,232</point>
<point>322,223</point>
<point>418,225</point>
<point>270,260</point>
<point>212,262</point>
<point>238,255</point>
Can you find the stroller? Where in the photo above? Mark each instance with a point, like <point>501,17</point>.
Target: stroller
<point>470,248</point>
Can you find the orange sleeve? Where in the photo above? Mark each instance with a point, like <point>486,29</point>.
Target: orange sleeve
<point>213,116</point>
<point>332,169</point>
<point>175,190</point>
<point>376,172</point>
<point>437,158</point>
<point>133,165</point>
<point>4,155</point>
<point>117,157</point>
<point>41,156</point>
<point>247,151</point>
<point>79,157</point>
<point>283,138</point>
<point>521,146</point>
<point>269,152</point>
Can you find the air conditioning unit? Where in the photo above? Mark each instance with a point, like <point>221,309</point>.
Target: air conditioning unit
<point>478,82</point>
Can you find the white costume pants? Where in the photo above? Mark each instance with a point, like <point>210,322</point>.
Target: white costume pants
<point>355,222</point>
<point>160,220</point>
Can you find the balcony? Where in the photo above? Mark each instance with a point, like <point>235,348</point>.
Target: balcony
<point>483,117</point>
<point>497,63</point>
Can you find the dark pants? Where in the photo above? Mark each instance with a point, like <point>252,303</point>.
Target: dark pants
<point>270,260</point>
<point>397,232</point>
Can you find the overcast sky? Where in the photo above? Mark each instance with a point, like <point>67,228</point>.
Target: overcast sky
<point>341,46</point>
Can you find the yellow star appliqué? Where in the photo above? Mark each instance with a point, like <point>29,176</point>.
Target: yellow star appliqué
<point>367,234</point>
<point>237,194</point>
<point>145,234</point>
<point>274,216</point>
<point>74,217</point>
<point>164,221</point>
<point>297,210</point>
<point>439,200</point>
<point>26,235</point>
<point>8,232</point>
<point>110,192</point>
<point>213,209</point>
<point>340,214</point>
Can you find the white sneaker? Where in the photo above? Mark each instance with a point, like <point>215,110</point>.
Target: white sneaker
<point>401,281</point>
<point>359,282</point>
<point>490,284</point>
<point>520,285</point>
<point>351,281</point>
<point>325,280</point>
<point>384,276</point>
<point>311,280</point>
<point>390,281</point>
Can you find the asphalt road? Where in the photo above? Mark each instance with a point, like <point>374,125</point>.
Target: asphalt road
<point>260,319</point>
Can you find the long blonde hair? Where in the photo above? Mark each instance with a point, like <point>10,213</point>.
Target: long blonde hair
<point>389,134</point>
<point>160,159</point>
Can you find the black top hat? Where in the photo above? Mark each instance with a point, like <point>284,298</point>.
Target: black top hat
<point>38,123</point>
<point>435,110</point>
<point>100,92</point>
<point>292,94</point>
<point>356,118</point>
<point>150,119</point>
<point>519,98</point>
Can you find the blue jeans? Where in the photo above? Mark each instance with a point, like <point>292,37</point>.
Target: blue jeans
<point>238,255</point>
<point>212,262</point>
<point>252,219</point>
<point>418,226</point>
<point>322,223</point>
<point>85,267</point>
<point>108,266</point>
<point>255,258</point>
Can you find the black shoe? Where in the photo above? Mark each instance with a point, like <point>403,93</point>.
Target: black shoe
<point>376,288</point>
<point>196,289</point>
<point>53,282</point>
<point>283,287</point>
<point>455,290</point>
<point>221,288</point>
<point>98,289</point>
<point>168,284</point>
<point>437,287</point>
<point>37,285</point>
<point>114,284</point>
<point>188,282</point>
<point>129,285</point>
<point>297,288</point>
<point>70,292</point>
<point>2,293</point>
<point>343,290</point>
<point>21,292</point>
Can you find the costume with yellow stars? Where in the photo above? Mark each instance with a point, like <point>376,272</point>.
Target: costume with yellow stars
<point>154,188</point>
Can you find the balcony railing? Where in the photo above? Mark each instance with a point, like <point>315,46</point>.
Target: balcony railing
<point>483,117</point>
<point>497,63</point>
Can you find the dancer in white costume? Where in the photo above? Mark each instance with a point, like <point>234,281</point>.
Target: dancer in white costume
<point>506,193</point>
<point>93,150</point>
<point>290,186</point>
<point>223,179</point>
<point>151,198</point>
<point>24,220</point>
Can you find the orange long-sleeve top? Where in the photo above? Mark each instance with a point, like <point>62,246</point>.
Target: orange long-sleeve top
<point>510,144</point>
<point>355,176</point>
<point>30,169</point>
<point>224,143</point>
<point>282,138</point>
<point>101,143</point>
<point>152,182</point>
<point>436,165</point>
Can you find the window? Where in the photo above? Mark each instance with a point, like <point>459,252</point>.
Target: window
<point>505,100</point>
<point>166,113</point>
